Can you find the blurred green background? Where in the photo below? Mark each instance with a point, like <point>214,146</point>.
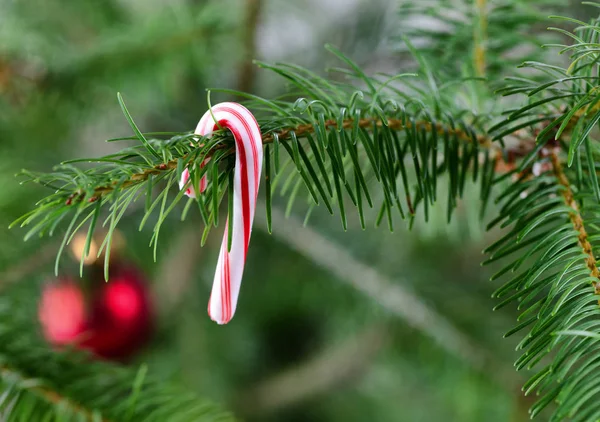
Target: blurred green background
<point>331,325</point>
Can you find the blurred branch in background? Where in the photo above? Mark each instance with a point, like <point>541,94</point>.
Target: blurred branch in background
<point>114,55</point>
<point>333,367</point>
<point>247,72</point>
<point>480,37</point>
<point>392,295</point>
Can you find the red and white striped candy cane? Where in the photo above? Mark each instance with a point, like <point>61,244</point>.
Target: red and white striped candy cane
<point>248,166</point>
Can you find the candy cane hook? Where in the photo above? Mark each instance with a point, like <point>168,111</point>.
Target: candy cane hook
<point>248,166</point>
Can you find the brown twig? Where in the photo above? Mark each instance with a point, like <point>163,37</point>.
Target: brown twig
<point>576,219</point>
<point>395,124</point>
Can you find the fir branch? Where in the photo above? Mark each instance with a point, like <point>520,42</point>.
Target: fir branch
<point>136,178</point>
<point>285,134</point>
<point>576,219</point>
<point>71,385</point>
<point>485,141</point>
<point>46,394</point>
<point>89,391</point>
<point>395,124</point>
<point>350,137</point>
<point>554,279</point>
<point>497,35</point>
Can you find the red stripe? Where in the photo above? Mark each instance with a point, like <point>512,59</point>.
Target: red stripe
<point>227,315</point>
<point>223,296</point>
<point>245,195</point>
<point>253,141</point>
<point>241,152</point>
<point>226,278</point>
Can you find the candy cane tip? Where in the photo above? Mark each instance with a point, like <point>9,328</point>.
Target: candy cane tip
<point>217,315</point>
<point>219,321</point>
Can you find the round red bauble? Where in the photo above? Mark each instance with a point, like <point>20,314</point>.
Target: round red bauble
<point>121,318</point>
<point>114,323</point>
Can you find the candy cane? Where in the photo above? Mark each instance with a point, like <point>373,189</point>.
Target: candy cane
<point>248,166</point>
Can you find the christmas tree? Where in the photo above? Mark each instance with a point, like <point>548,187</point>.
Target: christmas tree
<point>373,172</point>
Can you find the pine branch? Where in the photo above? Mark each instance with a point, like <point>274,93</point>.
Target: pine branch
<point>349,138</point>
<point>576,219</point>
<point>554,283</point>
<point>552,210</point>
<point>394,124</point>
<point>40,384</point>
<point>46,394</point>
<point>496,36</point>
<point>285,134</point>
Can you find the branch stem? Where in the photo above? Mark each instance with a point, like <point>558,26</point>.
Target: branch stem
<point>576,219</point>
<point>395,124</point>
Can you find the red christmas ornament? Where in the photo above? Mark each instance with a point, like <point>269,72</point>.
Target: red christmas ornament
<point>113,323</point>
<point>120,321</point>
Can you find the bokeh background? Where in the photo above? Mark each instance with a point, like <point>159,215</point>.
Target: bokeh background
<point>331,325</point>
